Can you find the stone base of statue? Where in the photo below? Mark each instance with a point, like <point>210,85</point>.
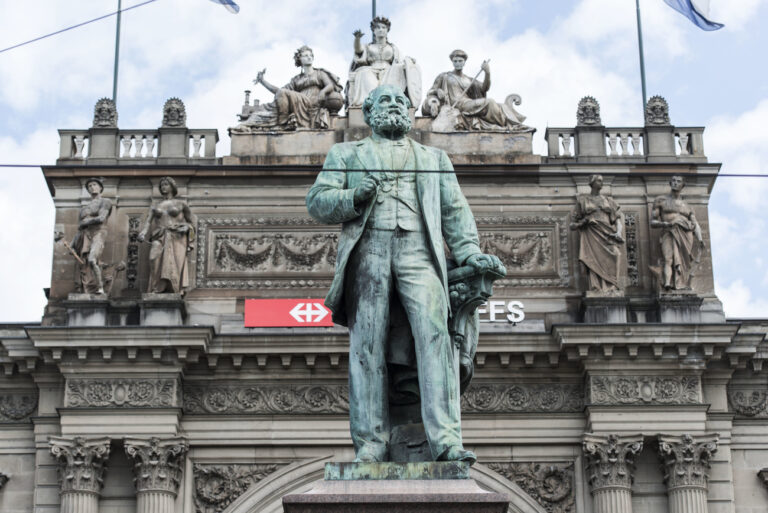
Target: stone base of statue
<point>270,147</point>
<point>396,488</point>
<point>162,310</point>
<point>679,307</point>
<point>604,309</point>
<point>484,147</point>
<point>87,309</point>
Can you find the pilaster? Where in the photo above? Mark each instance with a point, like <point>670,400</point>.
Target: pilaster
<point>81,471</point>
<point>610,462</point>
<point>685,460</point>
<point>158,470</point>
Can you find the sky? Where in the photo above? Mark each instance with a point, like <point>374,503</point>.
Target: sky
<point>550,52</point>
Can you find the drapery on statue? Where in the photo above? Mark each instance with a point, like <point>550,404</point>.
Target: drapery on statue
<point>601,224</point>
<point>170,240</point>
<point>681,240</point>
<point>379,63</point>
<point>88,243</point>
<point>307,101</point>
<point>391,281</point>
<point>459,102</point>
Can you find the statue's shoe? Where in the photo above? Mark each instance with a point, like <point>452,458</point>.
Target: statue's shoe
<point>457,453</point>
<point>364,455</point>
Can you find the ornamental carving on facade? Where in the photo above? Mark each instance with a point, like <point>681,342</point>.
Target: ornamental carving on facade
<point>749,402</point>
<point>685,459</point>
<point>588,112</point>
<point>527,252</point>
<point>123,393</point>
<point>174,113</point>
<point>657,111</point>
<point>17,407</point>
<point>275,252</point>
<point>81,463</point>
<point>523,397</point>
<point>132,263</point>
<point>762,475</point>
<point>267,399</point>
<point>550,484</point>
<point>644,389</point>
<point>157,463</point>
<point>633,272</point>
<point>611,459</point>
<point>218,486</point>
<point>3,480</point>
<point>105,114</point>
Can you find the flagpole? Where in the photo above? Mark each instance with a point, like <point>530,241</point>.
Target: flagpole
<point>117,51</point>
<point>642,57</point>
<point>373,8</point>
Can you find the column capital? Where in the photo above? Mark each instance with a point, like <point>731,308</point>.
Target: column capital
<point>610,459</point>
<point>685,459</point>
<point>157,463</point>
<point>81,462</point>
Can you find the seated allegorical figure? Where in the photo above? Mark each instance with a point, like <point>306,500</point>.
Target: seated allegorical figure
<point>459,102</point>
<point>379,63</point>
<point>307,101</point>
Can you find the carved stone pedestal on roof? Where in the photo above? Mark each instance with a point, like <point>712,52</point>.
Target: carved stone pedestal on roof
<point>610,464</point>
<point>685,461</point>
<point>397,488</point>
<point>605,309</point>
<point>87,309</point>
<point>679,308</point>
<point>81,472</point>
<point>162,310</point>
<point>157,469</point>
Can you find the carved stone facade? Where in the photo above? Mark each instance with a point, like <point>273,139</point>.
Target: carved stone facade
<point>633,273</point>
<point>217,486</point>
<point>105,114</point>
<point>122,393</point>
<point>3,480</point>
<point>81,463</point>
<point>157,463</point>
<point>645,389</point>
<point>686,459</point>
<point>132,253</point>
<point>749,402</point>
<point>588,112</point>
<point>266,399</point>
<point>522,397</point>
<point>17,407</point>
<point>174,114</point>
<point>551,484</point>
<point>657,111</point>
<point>610,459</point>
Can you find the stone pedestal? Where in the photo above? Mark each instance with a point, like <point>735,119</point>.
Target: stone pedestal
<point>679,308</point>
<point>396,488</point>
<point>162,310</point>
<point>605,310</point>
<point>86,309</point>
<point>486,147</point>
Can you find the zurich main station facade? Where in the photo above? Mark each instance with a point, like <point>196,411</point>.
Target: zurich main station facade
<point>186,361</point>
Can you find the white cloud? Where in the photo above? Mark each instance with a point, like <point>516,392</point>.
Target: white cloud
<point>738,301</point>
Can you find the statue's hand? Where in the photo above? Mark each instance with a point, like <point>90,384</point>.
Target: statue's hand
<point>260,76</point>
<point>358,34</point>
<point>366,189</point>
<point>485,67</point>
<point>483,262</point>
<point>141,237</point>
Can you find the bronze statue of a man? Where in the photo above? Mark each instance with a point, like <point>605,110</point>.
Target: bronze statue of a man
<point>397,201</point>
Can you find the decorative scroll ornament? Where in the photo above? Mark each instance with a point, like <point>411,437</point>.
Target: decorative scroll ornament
<point>132,265</point>
<point>498,398</point>
<point>105,114</point>
<point>645,390</point>
<point>749,402</point>
<point>17,407</point>
<point>122,393</point>
<point>174,113</point>
<point>588,112</point>
<point>685,459</point>
<point>657,111</point>
<point>550,484</point>
<point>218,486</point>
<point>157,463</point>
<point>267,399</point>
<point>633,273</point>
<point>610,459</point>
<point>81,462</point>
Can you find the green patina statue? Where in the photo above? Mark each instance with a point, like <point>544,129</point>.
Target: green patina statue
<point>391,271</point>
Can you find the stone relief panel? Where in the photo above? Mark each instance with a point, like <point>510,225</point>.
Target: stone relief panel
<point>749,402</point>
<point>265,399</point>
<point>630,226</point>
<point>132,262</point>
<point>644,390</point>
<point>17,407</point>
<point>550,484</point>
<point>122,393</point>
<point>522,397</point>
<point>217,486</point>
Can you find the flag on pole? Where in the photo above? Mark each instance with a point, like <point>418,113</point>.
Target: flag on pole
<point>695,10</point>
<point>229,4</point>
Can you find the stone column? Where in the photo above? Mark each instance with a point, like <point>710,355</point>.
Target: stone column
<point>158,468</point>
<point>81,471</point>
<point>685,460</point>
<point>610,461</point>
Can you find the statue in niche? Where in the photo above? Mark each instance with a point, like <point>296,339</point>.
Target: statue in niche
<point>459,102</point>
<point>681,240</point>
<point>105,114</point>
<point>174,114</point>
<point>88,243</point>
<point>170,226</point>
<point>391,283</point>
<point>379,63</point>
<point>601,225</point>
<point>307,101</point>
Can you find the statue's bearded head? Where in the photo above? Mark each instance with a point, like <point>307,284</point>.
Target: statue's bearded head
<point>386,112</point>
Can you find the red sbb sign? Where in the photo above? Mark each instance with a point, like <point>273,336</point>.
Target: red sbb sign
<point>286,313</point>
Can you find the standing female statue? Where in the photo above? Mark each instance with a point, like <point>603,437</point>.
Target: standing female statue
<point>307,101</point>
<point>172,233</point>
<point>602,226</point>
<point>380,63</point>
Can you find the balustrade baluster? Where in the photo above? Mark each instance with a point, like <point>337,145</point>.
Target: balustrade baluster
<point>126,143</point>
<point>636,144</point>
<point>197,144</point>
<point>612,144</point>
<point>566,144</point>
<point>79,145</point>
<point>139,145</point>
<point>683,140</point>
<point>624,138</point>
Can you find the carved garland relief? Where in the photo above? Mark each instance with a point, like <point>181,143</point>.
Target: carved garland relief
<point>550,484</point>
<point>122,393</point>
<point>645,390</point>
<point>749,402</point>
<point>218,486</point>
<point>17,407</point>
